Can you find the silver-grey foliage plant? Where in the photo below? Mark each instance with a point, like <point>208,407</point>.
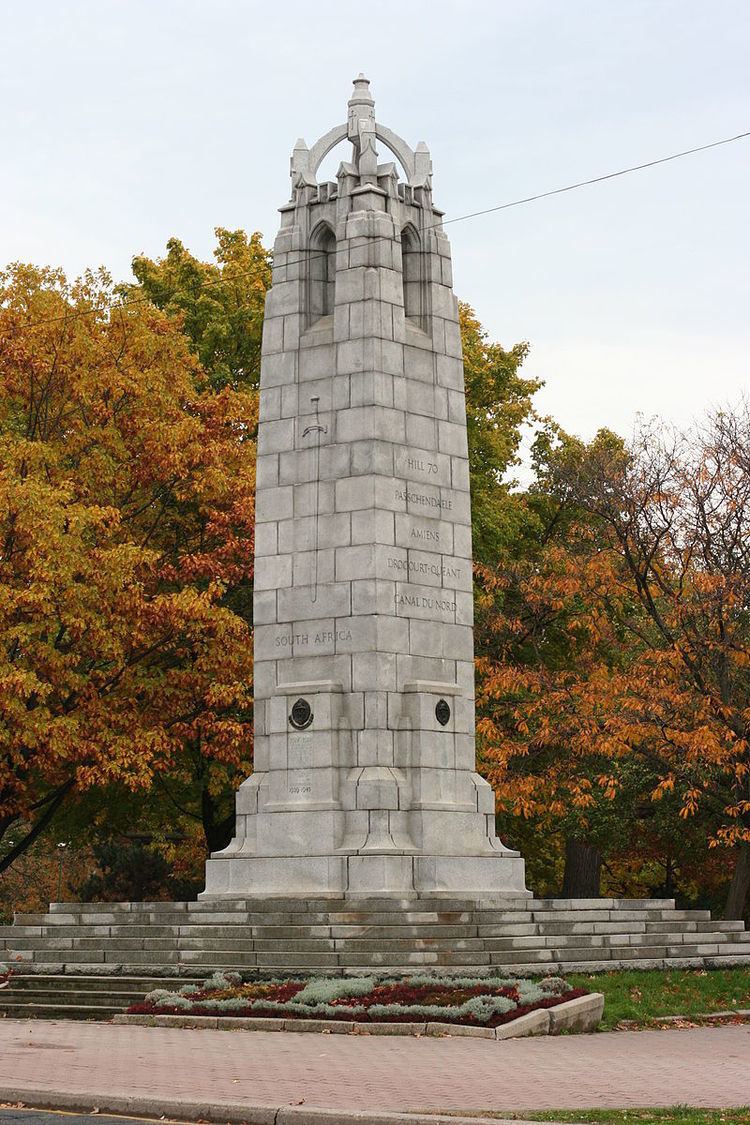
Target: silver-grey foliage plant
<point>318,994</point>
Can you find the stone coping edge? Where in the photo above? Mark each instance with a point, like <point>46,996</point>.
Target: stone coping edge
<point>583,1014</point>
<point>236,1112</point>
<point>715,1017</point>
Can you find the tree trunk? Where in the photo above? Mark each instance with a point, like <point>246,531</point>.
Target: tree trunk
<point>740,885</point>
<point>52,802</point>
<point>583,870</point>
<point>218,832</point>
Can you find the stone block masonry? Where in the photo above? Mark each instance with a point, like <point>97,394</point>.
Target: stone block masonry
<point>364,777</point>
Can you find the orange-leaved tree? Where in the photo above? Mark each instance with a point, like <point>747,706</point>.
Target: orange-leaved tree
<point>126,521</point>
<point>546,633</point>
<point>636,628</point>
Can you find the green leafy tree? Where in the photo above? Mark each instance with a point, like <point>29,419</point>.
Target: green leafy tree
<point>498,407</point>
<point>219,305</point>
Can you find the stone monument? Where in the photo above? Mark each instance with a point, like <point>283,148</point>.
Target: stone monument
<point>364,795</point>
<point>364,777</point>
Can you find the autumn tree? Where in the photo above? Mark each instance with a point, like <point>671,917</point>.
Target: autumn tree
<point>126,520</point>
<point>677,511</point>
<point>624,645</point>
<point>543,633</point>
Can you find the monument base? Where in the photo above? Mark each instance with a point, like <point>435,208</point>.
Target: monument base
<point>238,876</point>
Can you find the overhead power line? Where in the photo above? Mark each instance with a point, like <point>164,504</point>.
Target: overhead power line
<point>308,256</point>
<point>600,179</point>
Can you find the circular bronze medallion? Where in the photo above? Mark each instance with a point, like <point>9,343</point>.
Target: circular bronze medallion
<point>442,712</point>
<point>301,715</point>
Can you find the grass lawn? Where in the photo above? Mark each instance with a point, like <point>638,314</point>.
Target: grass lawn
<point>634,995</point>
<point>677,1115</point>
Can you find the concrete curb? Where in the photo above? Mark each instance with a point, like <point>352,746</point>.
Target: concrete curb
<point>235,1112</point>
<point>582,1014</point>
<point>647,1023</point>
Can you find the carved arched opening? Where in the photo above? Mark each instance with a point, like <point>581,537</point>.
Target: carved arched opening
<point>411,264</point>
<point>322,273</point>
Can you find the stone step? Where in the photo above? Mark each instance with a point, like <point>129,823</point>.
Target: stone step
<point>290,905</point>
<point>250,945</point>
<point>92,998</point>
<point>134,924</point>
<point>555,917</point>
<point>236,937</point>
<point>91,911</point>
<point>100,956</point>
<point>387,905</point>
<point>167,950</point>
<point>375,925</point>
<point>374,953</point>
<point>365,945</point>
<point>57,1011</point>
<point>59,983</point>
<point>98,922</point>
<point>690,915</point>
<point>569,958</point>
<point>699,926</point>
<point>566,904</point>
<point>553,928</point>
<point>122,944</point>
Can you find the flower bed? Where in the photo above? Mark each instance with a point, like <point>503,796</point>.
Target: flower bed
<point>470,1001</point>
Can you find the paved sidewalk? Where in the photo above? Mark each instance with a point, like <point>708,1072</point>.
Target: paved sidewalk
<point>700,1067</point>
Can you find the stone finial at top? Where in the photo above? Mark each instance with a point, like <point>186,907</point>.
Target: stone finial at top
<point>361,130</point>
<point>361,106</point>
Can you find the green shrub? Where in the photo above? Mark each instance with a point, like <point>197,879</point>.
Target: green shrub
<point>322,991</point>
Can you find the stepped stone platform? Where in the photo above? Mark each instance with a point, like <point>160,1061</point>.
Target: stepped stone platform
<point>137,942</point>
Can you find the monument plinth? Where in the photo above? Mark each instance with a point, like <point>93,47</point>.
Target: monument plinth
<point>364,775</point>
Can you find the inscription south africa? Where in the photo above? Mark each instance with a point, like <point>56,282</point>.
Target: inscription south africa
<point>323,637</point>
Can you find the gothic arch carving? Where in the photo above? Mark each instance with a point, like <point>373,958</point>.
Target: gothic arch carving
<point>321,273</point>
<point>412,273</point>
<point>397,145</point>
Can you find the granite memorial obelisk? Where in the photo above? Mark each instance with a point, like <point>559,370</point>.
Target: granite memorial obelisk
<point>364,778</point>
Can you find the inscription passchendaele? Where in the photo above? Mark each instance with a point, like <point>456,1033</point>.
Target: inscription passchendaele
<point>439,503</point>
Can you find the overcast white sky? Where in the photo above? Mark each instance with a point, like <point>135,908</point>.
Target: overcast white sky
<point>124,123</point>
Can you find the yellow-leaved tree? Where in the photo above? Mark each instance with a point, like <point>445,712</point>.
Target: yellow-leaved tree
<point>126,522</point>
